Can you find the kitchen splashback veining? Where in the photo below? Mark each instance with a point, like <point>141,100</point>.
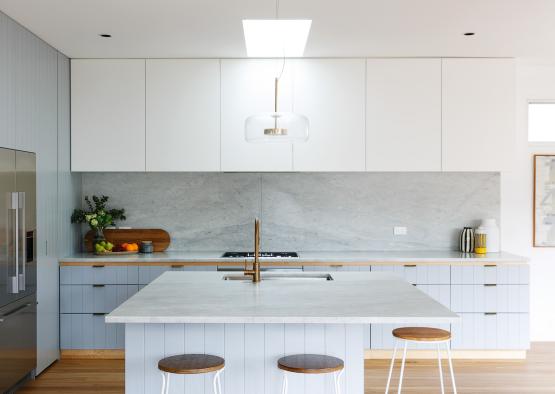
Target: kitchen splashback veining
<point>303,211</point>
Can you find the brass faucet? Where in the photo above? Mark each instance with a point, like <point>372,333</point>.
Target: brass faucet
<point>255,272</point>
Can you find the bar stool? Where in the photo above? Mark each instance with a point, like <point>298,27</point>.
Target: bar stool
<point>419,335</point>
<point>311,364</point>
<point>191,364</point>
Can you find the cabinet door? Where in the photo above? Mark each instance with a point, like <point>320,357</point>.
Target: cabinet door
<point>478,114</point>
<point>107,115</point>
<point>403,115</point>
<point>330,93</point>
<point>248,89</point>
<point>182,115</point>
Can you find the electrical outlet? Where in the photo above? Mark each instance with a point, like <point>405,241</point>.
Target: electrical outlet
<point>399,230</point>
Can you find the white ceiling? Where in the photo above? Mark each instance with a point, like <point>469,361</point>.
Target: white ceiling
<point>212,28</point>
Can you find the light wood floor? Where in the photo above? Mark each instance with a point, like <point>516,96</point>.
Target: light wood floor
<point>534,375</point>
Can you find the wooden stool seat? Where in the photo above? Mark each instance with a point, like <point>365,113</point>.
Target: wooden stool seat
<point>310,363</point>
<point>191,364</point>
<point>422,334</point>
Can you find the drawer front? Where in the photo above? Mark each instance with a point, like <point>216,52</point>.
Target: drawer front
<point>510,274</point>
<point>99,274</point>
<point>490,298</point>
<point>89,331</point>
<point>491,331</point>
<point>382,338</point>
<point>94,298</point>
<point>419,274</point>
<point>148,273</point>
<point>440,293</point>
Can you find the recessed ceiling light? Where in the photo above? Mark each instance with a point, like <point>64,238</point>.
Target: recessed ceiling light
<point>105,35</point>
<point>469,34</point>
<point>276,37</point>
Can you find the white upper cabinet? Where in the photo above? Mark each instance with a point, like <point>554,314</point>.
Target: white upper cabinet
<point>247,88</point>
<point>182,115</point>
<point>107,115</point>
<point>330,93</point>
<point>478,114</point>
<point>403,115</point>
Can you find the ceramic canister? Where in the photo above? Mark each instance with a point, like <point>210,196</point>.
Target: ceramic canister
<point>466,244</point>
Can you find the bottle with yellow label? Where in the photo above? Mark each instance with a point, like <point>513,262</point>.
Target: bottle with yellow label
<point>480,241</point>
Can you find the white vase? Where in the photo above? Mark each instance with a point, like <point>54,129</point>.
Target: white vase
<point>493,240</point>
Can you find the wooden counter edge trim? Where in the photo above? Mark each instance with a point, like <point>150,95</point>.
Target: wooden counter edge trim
<point>384,354</point>
<point>369,354</point>
<point>99,354</point>
<point>288,263</point>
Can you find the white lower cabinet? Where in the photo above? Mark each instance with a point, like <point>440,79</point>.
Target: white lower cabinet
<point>491,331</point>
<point>88,293</point>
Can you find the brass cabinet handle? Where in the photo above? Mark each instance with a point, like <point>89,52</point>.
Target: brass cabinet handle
<point>410,266</point>
<point>490,265</point>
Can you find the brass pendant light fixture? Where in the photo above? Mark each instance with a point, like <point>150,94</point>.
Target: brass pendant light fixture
<point>286,38</point>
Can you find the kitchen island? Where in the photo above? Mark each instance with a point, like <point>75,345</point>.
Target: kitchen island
<point>252,325</point>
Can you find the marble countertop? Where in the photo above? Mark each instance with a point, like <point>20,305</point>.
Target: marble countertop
<point>307,257</point>
<point>351,298</point>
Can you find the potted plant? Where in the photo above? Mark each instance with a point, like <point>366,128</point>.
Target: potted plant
<point>97,216</point>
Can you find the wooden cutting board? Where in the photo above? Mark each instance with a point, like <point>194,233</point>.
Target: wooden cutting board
<point>160,238</point>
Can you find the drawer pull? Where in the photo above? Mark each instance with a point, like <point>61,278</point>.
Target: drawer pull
<point>336,265</point>
<point>176,266</point>
<point>99,314</point>
<point>99,285</point>
<point>490,284</point>
<point>490,265</point>
<point>490,313</point>
<point>98,266</point>
<point>410,265</point>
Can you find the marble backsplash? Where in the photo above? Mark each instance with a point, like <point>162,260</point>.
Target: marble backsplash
<point>303,211</point>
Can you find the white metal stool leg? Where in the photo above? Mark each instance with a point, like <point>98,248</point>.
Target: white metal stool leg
<point>163,383</point>
<point>217,383</point>
<point>402,367</point>
<point>337,381</point>
<point>285,384</point>
<point>451,367</point>
<point>391,367</point>
<point>440,369</point>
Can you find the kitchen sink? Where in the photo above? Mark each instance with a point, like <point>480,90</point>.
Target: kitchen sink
<point>281,276</point>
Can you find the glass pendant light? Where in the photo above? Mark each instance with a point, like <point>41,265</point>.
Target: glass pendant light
<point>269,127</point>
<point>276,126</point>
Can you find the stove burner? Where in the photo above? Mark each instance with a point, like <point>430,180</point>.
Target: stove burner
<point>240,255</point>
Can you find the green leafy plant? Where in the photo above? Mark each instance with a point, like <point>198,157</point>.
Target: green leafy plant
<point>97,216</point>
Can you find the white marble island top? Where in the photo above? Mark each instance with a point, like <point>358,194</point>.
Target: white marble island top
<point>351,298</point>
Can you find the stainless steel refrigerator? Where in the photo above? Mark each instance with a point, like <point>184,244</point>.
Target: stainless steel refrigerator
<point>18,267</point>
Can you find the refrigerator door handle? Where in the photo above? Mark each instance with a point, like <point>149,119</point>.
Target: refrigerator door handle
<point>23,242</point>
<point>13,207</point>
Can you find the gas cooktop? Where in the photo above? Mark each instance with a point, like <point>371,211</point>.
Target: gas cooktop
<point>239,255</point>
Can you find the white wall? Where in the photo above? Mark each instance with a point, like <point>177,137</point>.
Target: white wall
<point>535,80</point>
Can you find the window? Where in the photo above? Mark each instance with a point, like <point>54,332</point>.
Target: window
<point>541,122</point>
